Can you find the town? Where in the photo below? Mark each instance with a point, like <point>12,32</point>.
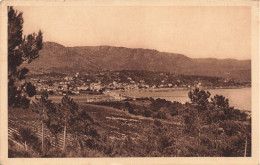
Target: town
<point>105,81</point>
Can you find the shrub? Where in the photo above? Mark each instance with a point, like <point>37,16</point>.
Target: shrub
<point>28,136</point>
<point>157,123</point>
<point>160,115</point>
<point>147,113</point>
<point>174,112</point>
<point>132,111</point>
<point>230,128</point>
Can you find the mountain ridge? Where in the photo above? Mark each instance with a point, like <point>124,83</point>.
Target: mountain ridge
<point>58,58</point>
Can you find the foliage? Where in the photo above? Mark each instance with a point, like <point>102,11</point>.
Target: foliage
<point>161,114</point>
<point>220,101</point>
<point>191,132</point>
<point>43,107</point>
<point>163,139</point>
<point>78,123</point>
<point>68,108</point>
<point>21,49</point>
<point>28,138</point>
<point>189,121</point>
<point>15,151</point>
<point>199,98</point>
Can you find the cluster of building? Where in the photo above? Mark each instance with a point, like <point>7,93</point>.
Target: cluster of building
<point>71,85</point>
<point>108,81</point>
<point>66,86</point>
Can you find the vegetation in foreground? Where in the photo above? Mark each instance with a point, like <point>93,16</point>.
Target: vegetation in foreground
<point>140,128</point>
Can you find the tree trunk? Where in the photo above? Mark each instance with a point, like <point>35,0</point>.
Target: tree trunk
<point>64,136</point>
<point>216,142</point>
<point>199,132</point>
<point>245,148</point>
<point>25,146</point>
<point>199,143</point>
<point>42,138</point>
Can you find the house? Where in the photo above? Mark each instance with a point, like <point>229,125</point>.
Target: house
<point>76,92</point>
<point>95,86</point>
<point>65,87</point>
<point>68,78</point>
<point>114,83</point>
<point>77,74</point>
<point>198,85</point>
<point>146,86</point>
<point>83,87</point>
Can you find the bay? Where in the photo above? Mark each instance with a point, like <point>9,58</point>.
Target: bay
<point>240,98</point>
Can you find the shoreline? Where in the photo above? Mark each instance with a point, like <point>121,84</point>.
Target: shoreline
<point>130,93</point>
<point>120,95</point>
<point>182,88</point>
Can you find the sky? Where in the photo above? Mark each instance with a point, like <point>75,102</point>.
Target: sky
<point>197,32</point>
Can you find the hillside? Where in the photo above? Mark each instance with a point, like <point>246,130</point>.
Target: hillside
<point>136,128</point>
<point>58,58</point>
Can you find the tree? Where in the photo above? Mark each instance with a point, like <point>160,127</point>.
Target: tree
<point>199,98</point>
<point>43,107</point>
<point>163,140</point>
<point>21,49</point>
<point>54,123</point>
<point>68,109</point>
<point>220,101</point>
<point>77,122</point>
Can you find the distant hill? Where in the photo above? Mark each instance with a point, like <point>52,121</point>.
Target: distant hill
<point>58,58</point>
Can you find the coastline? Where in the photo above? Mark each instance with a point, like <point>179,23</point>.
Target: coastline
<point>183,88</point>
<point>164,93</point>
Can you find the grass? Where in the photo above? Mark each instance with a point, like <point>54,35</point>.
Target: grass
<point>124,135</point>
<point>116,123</point>
<point>113,124</point>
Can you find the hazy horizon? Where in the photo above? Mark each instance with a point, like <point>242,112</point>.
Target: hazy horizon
<point>196,32</point>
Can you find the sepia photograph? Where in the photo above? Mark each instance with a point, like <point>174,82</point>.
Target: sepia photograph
<point>130,81</point>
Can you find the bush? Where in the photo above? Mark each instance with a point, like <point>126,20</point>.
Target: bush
<point>28,136</point>
<point>174,112</point>
<point>132,111</point>
<point>157,123</point>
<point>160,115</point>
<point>231,128</point>
<point>16,151</point>
<point>147,113</point>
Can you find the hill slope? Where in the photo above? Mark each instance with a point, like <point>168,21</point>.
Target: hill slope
<point>58,58</point>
